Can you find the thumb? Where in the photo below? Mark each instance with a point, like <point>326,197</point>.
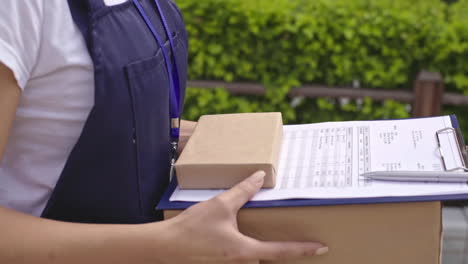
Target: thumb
<point>240,194</point>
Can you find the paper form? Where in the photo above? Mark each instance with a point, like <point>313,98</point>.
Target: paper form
<point>324,160</point>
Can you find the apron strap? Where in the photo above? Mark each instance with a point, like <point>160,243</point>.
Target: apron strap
<point>82,11</point>
<point>95,5</point>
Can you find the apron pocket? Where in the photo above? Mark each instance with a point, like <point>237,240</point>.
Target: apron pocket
<point>149,91</point>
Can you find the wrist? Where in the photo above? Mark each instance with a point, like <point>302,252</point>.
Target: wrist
<point>153,242</point>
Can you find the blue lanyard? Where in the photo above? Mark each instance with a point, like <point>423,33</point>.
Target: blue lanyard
<point>172,72</point>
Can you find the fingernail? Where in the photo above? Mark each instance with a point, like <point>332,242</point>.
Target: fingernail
<point>258,177</point>
<point>321,251</point>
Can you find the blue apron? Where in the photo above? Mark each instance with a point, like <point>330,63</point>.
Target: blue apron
<point>119,168</point>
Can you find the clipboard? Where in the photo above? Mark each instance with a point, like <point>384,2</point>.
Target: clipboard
<point>166,204</point>
<point>457,135</point>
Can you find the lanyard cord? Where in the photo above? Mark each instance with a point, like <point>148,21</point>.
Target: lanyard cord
<point>173,74</point>
<point>175,70</point>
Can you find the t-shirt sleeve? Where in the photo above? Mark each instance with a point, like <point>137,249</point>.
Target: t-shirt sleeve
<point>20,36</point>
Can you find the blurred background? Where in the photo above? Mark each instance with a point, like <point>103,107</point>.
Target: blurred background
<point>333,60</point>
<point>326,60</point>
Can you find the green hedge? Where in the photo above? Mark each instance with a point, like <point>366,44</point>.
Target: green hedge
<point>284,43</point>
<point>454,54</point>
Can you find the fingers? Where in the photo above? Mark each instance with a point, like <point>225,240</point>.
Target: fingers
<point>286,250</point>
<point>240,194</point>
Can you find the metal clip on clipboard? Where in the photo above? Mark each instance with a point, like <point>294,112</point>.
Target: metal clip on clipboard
<point>461,148</point>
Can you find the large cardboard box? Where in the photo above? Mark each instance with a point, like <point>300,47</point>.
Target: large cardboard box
<point>225,149</point>
<point>393,233</point>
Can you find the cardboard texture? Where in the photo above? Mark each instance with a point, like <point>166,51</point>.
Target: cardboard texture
<point>225,149</point>
<point>365,234</point>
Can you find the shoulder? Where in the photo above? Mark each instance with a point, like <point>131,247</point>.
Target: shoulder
<point>29,28</point>
<point>20,32</point>
<point>24,11</point>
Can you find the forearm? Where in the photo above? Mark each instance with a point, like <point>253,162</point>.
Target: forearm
<point>28,239</point>
<point>9,98</point>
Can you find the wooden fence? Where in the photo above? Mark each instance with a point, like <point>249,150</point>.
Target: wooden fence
<point>426,98</point>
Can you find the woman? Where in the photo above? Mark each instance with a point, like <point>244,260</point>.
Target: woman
<point>90,100</point>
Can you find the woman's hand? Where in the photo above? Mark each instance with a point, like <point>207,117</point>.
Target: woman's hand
<point>207,233</point>
<point>186,130</point>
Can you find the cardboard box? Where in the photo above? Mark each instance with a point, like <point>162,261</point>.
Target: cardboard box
<point>393,233</point>
<point>225,149</point>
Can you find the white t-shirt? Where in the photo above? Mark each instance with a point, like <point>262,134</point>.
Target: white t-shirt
<point>45,50</point>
